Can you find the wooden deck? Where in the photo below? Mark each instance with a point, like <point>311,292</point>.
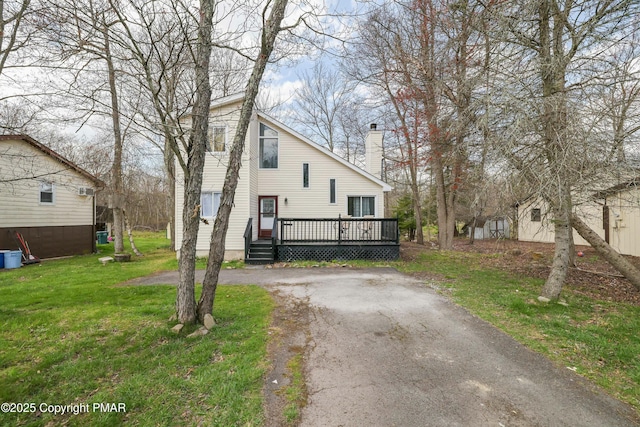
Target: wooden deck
<point>326,239</point>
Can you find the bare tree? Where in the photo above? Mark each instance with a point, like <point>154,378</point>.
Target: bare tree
<point>321,103</point>
<point>421,54</point>
<point>83,34</point>
<point>158,36</point>
<point>563,40</point>
<point>13,14</point>
<point>271,27</point>
<point>545,64</point>
<point>196,148</point>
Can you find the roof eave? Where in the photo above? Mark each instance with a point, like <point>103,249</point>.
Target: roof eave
<point>48,151</point>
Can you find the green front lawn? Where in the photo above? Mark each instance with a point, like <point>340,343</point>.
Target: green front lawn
<point>70,336</point>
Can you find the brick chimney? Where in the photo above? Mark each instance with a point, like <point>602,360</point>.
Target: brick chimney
<point>373,151</point>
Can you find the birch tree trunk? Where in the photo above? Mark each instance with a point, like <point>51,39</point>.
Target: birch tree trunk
<point>127,226</point>
<point>170,169</point>
<point>270,30</point>
<point>196,147</point>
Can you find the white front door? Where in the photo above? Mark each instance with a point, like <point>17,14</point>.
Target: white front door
<point>268,212</point>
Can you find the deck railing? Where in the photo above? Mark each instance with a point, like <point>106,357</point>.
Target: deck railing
<point>274,238</point>
<point>338,230</point>
<point>248,237</point>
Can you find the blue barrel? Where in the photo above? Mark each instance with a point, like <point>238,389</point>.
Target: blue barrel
<point>12,259</point>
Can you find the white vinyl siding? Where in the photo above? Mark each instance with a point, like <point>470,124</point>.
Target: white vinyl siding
<point>313,202</point>
<point>20,204</point>
<point>215,169</point>
<point>47,193</point>
<point>536,225</point>
<point>286,181</point>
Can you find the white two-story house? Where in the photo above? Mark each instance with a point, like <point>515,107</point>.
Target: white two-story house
<point>285,175</point>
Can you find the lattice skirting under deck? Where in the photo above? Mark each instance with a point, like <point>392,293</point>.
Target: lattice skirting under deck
<point>290,252</point>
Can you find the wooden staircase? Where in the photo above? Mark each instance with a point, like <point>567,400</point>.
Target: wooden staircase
<point>260,252</point>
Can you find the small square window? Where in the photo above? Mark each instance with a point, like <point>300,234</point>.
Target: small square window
<point>46,192</point>
<point>535,215</point>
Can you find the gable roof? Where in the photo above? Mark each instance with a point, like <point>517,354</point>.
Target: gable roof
<point>628,185</point>
<point>49,152</point>
<point>221,102</point>
<point>385,187</point>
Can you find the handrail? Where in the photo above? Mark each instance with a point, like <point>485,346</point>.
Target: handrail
<point>248,237</point>
<point>339,230</point>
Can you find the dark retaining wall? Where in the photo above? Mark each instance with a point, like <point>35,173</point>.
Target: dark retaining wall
<point>51,242</point>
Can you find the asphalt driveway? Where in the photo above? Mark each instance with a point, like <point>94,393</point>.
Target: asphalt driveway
<point>386,350</point>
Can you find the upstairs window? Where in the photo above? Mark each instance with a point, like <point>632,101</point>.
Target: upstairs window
<point>268,147</point>
<point>209,204</point>
<point>535,215</point>
<point>217,139</point>
<point>305,175</point>
<point>332,191</point>
<point>46,192</point>
<point>359,206</point>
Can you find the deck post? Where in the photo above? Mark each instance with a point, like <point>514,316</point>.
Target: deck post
<point>339,229</point>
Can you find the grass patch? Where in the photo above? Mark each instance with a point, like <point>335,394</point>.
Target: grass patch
<point>68,336</point>
<point>295,392</point>
<point>597,339</point>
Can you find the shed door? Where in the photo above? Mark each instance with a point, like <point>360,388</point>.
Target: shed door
<point>268,213</point>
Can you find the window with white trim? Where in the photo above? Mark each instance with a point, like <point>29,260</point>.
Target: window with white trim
<point>359,206</point>
<point>209,203</point>
<point>217,138</point>
<point>305,175</point>
<point>46,192</point>
<point>268,147</point>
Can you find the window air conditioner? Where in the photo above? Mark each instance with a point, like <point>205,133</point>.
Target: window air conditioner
<point>85,191</point>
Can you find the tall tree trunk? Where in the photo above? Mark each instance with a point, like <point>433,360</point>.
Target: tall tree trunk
<point>445,231</point>
<point>218,236</point>
<point>417,211</point>
<point>559,267</point>
<point>619,262</point>
<point>472,229</point>
<point>186,300</point>
<point>116,168</point>
<point>554,123</point>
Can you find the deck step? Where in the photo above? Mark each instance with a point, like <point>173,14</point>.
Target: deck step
<point>260,252</point>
